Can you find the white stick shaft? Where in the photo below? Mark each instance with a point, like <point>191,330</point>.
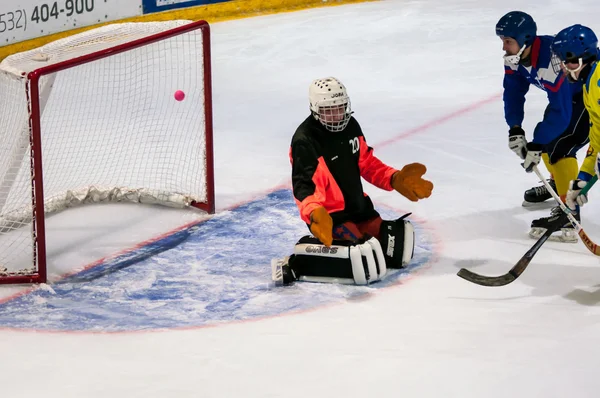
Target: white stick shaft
<point>558,200</point>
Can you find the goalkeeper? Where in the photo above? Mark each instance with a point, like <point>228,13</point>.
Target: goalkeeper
<point>329,155</point>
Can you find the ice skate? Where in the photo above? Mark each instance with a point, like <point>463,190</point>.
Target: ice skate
<point>281,272</point>
<point>537,195</point>
<point>565,234</point>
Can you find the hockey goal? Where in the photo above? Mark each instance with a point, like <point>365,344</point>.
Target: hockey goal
<point>93,118</point>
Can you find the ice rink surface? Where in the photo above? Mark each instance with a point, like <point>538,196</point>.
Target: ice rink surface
<point>425,79</point>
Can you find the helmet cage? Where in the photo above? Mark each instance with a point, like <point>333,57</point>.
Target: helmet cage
<point>558,65</point>
<point>330,104</point>
<point>334,117</point>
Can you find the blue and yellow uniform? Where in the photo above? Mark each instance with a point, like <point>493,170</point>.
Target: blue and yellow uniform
<point>564,127</point>
<point>591,98</point>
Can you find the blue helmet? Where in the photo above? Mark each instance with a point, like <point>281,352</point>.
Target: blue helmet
<point>575,42</point>
<point>519,26</point>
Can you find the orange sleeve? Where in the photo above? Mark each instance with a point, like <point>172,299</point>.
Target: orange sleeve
<point>372,169</point>
<point>312,183</point>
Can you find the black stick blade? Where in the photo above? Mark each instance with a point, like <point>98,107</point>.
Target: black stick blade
<point>519,267</point>
<point>482,280</point>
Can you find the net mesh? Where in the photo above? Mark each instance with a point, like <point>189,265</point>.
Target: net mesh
<point>111,129</point>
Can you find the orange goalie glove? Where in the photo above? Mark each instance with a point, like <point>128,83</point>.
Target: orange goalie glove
<point>409,183</point>
<point>321,225</point>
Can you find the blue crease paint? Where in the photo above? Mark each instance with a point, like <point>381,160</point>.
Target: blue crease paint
<point>210,273</point>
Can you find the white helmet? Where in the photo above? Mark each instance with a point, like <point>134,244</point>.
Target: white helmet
<point>329,103</point>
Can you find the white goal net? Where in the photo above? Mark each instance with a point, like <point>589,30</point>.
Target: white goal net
<point>94,117</point>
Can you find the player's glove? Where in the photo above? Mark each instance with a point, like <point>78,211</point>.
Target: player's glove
<point>517,141</point>
<point>321,225</point>
<point>409,183</point>
<point>573,194</point>
<point>533,156</point>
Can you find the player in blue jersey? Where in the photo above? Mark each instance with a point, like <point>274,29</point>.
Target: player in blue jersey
<point>564,127</point>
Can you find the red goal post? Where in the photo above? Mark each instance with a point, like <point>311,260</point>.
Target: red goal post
<point>93,118</point>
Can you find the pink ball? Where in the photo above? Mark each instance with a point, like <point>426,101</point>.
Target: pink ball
<point>179,95</point>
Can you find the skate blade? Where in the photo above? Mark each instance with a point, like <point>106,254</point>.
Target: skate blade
<point>538,205</point>
<point>565,235</point>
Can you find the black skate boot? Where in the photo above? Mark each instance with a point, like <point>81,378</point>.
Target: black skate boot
<point>537,195</point>
<point>565,234</point>
<point>281,272</point>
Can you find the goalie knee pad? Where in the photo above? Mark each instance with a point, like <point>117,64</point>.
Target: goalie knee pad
<point>397,241</point>
<point>342,262</point>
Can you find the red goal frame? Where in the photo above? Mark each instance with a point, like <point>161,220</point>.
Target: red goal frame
<point>33,92</point>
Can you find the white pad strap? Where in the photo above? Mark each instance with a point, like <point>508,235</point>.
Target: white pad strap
<point>409,243</point>
<point>358,271</point>
<point>378,254</point>
<point>366,250</point>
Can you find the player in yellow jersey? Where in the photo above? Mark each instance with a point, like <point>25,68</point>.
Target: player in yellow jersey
<point>576,50</point>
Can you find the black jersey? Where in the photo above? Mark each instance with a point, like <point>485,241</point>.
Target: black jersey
<point>327,168</point>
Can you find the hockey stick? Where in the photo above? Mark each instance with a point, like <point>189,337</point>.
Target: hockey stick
<point>593,247</point>
<point>518,269</point>
<point>522,264</point>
